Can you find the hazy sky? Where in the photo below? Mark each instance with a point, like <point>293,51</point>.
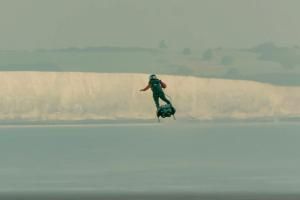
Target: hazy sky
<point>30,24</point>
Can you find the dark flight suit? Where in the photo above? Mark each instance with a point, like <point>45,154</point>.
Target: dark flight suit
<point>156,87</point>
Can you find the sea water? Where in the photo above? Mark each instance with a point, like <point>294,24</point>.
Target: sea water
<point>151,158</point>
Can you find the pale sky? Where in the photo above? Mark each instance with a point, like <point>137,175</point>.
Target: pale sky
<point>31,24</point>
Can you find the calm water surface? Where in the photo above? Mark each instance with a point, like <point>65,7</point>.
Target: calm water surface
<point>151,158</point>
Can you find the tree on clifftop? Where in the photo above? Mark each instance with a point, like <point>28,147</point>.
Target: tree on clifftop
<point>162,44</point>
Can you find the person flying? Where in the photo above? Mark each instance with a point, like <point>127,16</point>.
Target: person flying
<point>157,87</point>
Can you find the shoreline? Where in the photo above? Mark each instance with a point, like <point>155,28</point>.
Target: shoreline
<point>136,123</point>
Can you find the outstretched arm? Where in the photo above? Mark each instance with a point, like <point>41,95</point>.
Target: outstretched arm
<point>146,88</point>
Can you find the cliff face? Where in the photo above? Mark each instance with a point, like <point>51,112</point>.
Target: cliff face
<point>74,96</point>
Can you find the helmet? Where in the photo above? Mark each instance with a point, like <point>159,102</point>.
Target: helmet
<point>152,76</point>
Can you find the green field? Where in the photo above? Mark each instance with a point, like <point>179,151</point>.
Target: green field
<point>276,65</point>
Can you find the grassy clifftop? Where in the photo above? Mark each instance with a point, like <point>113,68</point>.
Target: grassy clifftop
<point>264,63</point>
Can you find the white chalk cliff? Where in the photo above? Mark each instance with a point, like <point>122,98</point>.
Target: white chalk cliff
<point>83,96</point>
